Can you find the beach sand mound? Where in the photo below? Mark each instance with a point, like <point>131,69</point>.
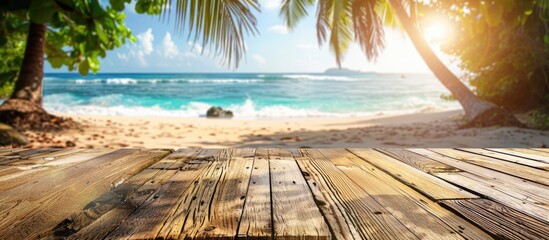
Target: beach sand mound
<point>25,115</point>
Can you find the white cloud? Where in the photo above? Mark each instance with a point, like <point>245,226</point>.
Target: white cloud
<point>169,49</point>
<point>279,29</point>
<point>271,4</point>
<point>259,59</point>
<point>195,46</point>
<point>146,41</point>
<point>122,56</point>
<point>142,48</point>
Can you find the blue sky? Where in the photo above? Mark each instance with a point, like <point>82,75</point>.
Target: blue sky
<point>275,49</point>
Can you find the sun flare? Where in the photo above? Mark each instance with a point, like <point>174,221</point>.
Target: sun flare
<point>437,30</point>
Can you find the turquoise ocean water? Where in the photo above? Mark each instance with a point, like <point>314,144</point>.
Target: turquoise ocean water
<point>248,95</point>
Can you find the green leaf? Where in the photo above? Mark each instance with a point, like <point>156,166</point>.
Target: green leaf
<point>96,10</point>
<point>101,32</point>
<point>84,67</point>
<point>140,7</point>
<point>56,62</point>
<point>117,5</point>
<point>94,64</point>
<point>546,39</point>
<point>41,11</point>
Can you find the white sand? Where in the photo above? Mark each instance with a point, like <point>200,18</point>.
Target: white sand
<point>414,130</point>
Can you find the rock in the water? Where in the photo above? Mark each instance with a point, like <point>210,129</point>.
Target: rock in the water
<point>218,112</point>
<point>9,136</point>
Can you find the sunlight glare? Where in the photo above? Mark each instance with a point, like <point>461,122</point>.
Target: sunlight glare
<point>437,30</point>
<point>435,33</point>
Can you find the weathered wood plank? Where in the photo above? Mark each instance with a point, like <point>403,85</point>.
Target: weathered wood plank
<point>500,220</point>
<point>23,171</point>
<point>535,195</point>
<point>8,151</point>
<point>476,169</point>
<point>423,182</point>
<point>41,204</point>
<point>507,198</point>
<point>256,219</point>
<point>9,167</point>
<point>363,217</point>
<point>159,208</point>
<point>497,178</point>
<point>193,208</point>
<point>19,155</point>
<point>545,151</point>
<point>424,164</point>
<point>330,209</point>
<point>521,153</point>
<point>508,158</point>
<point>106,212</point>
<point>227,205</point>
<point>532,174</point>
<point>425,218</point>
<point>295,214</point>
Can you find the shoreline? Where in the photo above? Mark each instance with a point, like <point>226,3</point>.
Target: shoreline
<point>436,129</point>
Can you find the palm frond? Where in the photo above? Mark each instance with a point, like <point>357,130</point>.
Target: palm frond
<point>368,28</point>
<point>292,11</point>
<point>219,25</point>
<point>341,26</point>
<point>322,22</point>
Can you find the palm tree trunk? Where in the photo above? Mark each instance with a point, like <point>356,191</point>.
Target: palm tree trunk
<point>29,83</point>
<point>23,110</point>
<point>476,109</point>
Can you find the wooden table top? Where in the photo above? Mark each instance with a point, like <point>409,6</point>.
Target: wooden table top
<point>267,193</point>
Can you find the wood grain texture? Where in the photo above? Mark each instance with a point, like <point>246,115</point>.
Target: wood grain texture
<point>497,194</point>
<point>193,207</point>
<point>500,220</point>
<point>161,207</point>
<point>270,193</point>
<point>364,216</point>
<point>479,170</point>
<point>331,210</point>
<point>295,214</point>
<point>256,219</point>
<point>423,182</point>
<point>524,153</point>
<point>532,174</point>
<point>544,151</point>
<point>508,158</point>
<point>103,214</point>
<point>40,205</point>
<point>25,154</point>
<point>425,218</point>
<point>21,172</point>
<point>228,201</point>
<point>417,161</point>
<point>6,151</point>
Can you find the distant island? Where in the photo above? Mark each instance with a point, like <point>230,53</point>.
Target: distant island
<point>342,71</point>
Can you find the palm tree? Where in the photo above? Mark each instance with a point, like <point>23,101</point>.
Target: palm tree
<point>362,21</point>
<point>218,24</point>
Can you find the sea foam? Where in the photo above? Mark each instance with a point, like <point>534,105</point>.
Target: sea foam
<point>109,105</point>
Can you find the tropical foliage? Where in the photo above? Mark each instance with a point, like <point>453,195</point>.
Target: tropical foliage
<point>503,46</point>
<point>81,32</point>
<point>12,46</point>
<point>363,21</point>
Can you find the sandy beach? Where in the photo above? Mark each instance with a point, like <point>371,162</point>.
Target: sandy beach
<point>440,129</point>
